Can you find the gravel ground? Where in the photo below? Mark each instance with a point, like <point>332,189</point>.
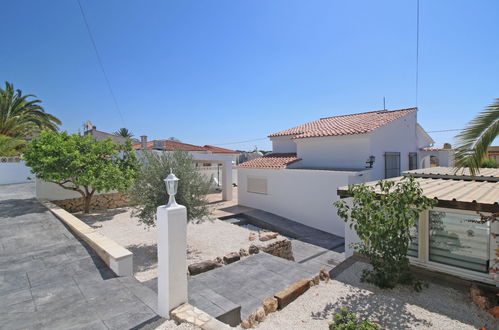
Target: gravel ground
<point>206,240</point>
<point>170,324</point>
<point>436,307</point>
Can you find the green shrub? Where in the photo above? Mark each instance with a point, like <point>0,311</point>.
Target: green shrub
<point>490,163</point>
<point>81,163</point>
<point>149,190</point>
<point>346,320</point>
<point>383,216</point>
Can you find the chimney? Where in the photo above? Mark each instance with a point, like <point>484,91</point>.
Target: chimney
<point>143,141</point>
<point>447,146</point>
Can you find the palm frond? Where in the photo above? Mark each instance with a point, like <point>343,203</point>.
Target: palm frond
<point>474,140</point>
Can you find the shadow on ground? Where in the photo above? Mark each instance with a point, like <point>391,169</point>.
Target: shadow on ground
<point>11,208</point>
<point>100,215</point>
<point>145,257</point>
<point>388,312</point>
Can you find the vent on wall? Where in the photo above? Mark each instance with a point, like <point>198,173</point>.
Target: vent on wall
<point>257,185</point>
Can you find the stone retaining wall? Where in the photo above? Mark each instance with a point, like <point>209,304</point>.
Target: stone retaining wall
<point>263,241</point>
<point>99,202</point>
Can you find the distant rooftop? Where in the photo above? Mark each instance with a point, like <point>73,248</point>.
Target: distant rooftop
<point>170,145</point>
<point>360,123</point>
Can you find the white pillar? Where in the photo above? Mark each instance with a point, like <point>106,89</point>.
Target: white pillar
<point>227,180</point>
<point>171,225</point>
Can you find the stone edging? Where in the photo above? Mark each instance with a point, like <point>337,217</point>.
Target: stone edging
<point>190,314</point>
<point>119,259</point>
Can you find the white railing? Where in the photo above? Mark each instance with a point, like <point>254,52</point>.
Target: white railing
<point>13,159</point>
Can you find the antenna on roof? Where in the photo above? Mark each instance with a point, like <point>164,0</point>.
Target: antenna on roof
<point>384,104</point>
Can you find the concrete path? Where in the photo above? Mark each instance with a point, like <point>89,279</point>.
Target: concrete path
<point>242,286</point>
<point>312,247</point>
<point>51,280</point>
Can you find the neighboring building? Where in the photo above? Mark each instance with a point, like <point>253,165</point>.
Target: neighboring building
<point>451,238</point>
<point>170,145</point>
<point>493,153</point>
<point>298,180</point>
<point>247,156</point>
<point>100,135</point>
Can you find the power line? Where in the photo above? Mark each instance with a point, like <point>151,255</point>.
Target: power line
<point>239,142</point>
<point>417,51</point>
<point>100,62</point>
<point>446,130</point>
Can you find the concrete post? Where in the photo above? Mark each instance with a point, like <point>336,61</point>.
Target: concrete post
<point>227,180</point>
<point>171,225</point>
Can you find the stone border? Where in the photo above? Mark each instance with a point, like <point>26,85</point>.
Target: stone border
<point>190,314</point>
<point>283,298</point>
<point>119,259</point>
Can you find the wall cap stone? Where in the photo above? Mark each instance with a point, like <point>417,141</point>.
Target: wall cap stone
<point>119,259</point>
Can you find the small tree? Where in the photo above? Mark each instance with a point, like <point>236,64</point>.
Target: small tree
<point>81,163</point>
<point>383,215</point>
<point>149,190</point>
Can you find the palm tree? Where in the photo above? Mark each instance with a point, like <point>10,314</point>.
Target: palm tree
<point>10,146</point>
<point>21,117</point>
<point>124,132</point>
<point>474,140</point>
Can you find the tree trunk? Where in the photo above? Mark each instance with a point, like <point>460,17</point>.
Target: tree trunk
<point>87,201</point>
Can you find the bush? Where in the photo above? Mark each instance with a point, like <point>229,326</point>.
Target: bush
<point>383,216</point>
<point>490,163</point>
<point>346,320</point>
<point>149,190</point>
<point>81,163</point>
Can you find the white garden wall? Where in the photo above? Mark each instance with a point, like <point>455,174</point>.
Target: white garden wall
<point>302,195</point>
<point>15,172</point>
<point>53,192</point>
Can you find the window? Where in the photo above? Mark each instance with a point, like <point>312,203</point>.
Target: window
<point>392,164</point>
<point>257,185</point>
<point>413,161</point>
<point>459,240</point>
<point>414,244</point>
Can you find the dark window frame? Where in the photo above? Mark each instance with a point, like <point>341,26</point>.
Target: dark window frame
<point>415,155</point>
<point>388,170</point>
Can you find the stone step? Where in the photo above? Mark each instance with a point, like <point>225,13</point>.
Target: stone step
<point>215,305</point>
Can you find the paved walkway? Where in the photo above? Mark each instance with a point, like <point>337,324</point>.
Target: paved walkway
<point>237,290</point>
<point>51,280</point>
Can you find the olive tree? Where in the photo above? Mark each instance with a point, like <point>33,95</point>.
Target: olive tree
<point>383,216</point>
<point>81,163</point>
<point>149,190</point>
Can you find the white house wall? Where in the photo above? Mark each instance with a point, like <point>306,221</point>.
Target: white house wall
<point>334,152</point>
<point>305,196</point>
<point>396,136</point>
<point>283,144</point>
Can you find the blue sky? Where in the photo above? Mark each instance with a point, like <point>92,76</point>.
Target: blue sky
<point>216,72</point>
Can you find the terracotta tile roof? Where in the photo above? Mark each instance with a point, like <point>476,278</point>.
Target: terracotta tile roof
<point>219,150</point>
<point>359,123</point>
<point>274,160</point>
<point>171,145</point>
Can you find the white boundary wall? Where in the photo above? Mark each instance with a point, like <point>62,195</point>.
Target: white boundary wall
<point>53,192</point>
<point>302,195</point>
<point>15,172</point>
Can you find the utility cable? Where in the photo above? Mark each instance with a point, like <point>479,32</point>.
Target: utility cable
<point>108,82</point>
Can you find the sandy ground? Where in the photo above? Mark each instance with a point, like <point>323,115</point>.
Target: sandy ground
<point>170,324</point>
<point>206,240</point>
<point>436,307</point>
